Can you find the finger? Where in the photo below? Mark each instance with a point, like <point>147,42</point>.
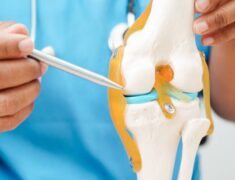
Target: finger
<point>216,20</point>
<point>44,68</point>
<point>9,123</point>
<point>205,6</point>
<point>15,99</point>
<point>20,71</point>
<point>17,29</point>
<point>222,36</point>
<point>4,25</point>
<point>14,45</point>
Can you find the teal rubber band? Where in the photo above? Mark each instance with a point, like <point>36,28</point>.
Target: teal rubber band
<point>144,98</point>
<point>193,96</point>
<point>153,96</point>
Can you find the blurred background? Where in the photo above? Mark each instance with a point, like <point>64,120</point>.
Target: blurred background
<point>218,154</point>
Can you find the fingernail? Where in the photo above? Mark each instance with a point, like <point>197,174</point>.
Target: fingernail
<point>208,41</point>
<point>18,28</point>
<point>201,27</point>
<point>49,50</point>
<point>44,68</point>
<point>26,45</point>
<point>202,5</point>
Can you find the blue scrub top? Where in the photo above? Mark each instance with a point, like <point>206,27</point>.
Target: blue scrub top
<point>70,134</point>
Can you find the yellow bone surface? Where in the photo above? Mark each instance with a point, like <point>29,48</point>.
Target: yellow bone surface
<point>206,93</point>
<point>140,22</point>
<point>162,77</point>
<point>117,105</point>
<point>117,101</point>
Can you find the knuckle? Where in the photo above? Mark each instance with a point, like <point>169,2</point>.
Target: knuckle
<point>36,86</point>
<point>12,124</point>
<point>4,51</point>
<point>232,30</point>
<point>8,123</point>
<point>20,28</point>
<point>4,105</point>
<point>220,18</point>
<point>7,105</point>
<point>2,79</point>
<point>7,70</point>
<point>8,48</point>
<point>35,68</point>
<point>19,117</point>
<point>15,121</point>
<point>225,35</point>
<point>31,107</point>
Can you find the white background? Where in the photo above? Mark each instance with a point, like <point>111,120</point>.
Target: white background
<point>218,155</point>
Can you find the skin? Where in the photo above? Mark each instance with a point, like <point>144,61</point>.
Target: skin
<point>217,27</point>
<point>19,84</point>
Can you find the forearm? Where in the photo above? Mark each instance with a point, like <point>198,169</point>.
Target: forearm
<point>222,74</point>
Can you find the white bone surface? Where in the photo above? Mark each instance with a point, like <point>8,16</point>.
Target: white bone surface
<point>167,38</point>
<point>158,138</point>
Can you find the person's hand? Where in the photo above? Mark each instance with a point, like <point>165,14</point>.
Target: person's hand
<point>217,23</point>
<point>19,84</point>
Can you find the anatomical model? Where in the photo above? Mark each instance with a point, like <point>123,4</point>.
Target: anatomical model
<point>162,72</point>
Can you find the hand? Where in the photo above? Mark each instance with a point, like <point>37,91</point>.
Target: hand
<point>217,23</point>
<point>19,84</point>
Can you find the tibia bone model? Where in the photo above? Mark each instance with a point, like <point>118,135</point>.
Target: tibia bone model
<point>162,72</point>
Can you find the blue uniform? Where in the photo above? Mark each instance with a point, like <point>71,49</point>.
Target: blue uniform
<point>70,134</point>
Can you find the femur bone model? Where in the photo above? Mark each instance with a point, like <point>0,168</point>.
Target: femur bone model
<point>162,72</point>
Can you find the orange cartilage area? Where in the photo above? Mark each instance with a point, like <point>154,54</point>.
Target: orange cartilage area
<point>206,93</point>
<point>140,22</point>
<point>164,74</point>
<point>117,105</point>
<point>117,100</point>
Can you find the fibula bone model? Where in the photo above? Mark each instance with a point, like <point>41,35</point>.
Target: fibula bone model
<point>162,72</point>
